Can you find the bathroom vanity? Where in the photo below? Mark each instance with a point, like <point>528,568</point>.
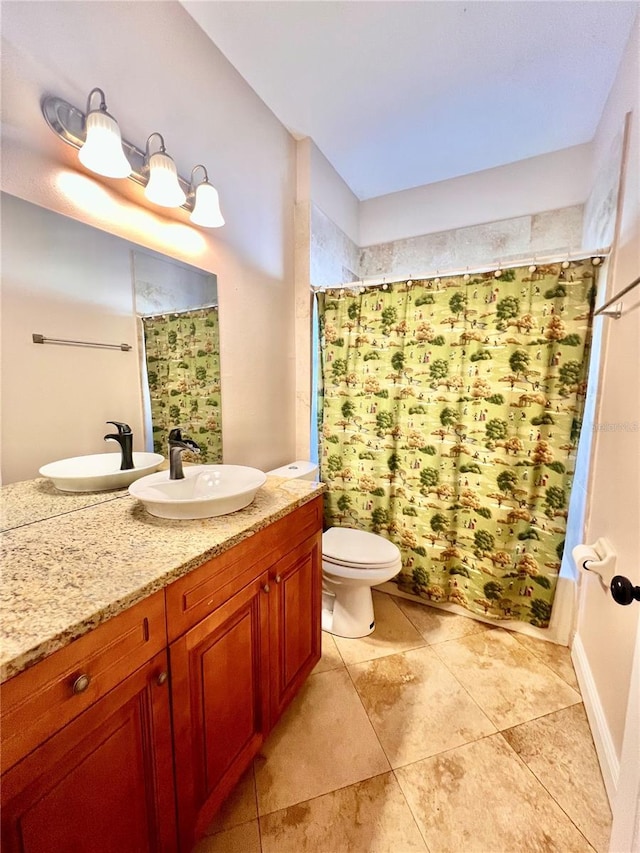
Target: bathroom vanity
<point>145,661</point>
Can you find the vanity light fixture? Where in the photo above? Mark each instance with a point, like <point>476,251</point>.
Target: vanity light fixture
<point>102,150</point>
<point>206,210</point>
<point>163,187</point>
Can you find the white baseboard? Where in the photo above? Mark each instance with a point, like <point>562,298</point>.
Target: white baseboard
<point>609,763</point>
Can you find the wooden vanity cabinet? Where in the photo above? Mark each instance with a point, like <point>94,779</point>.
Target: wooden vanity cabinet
<point>237,668</point>
<point>220,708</point>
<point>294,622</point>
<point>104,738</point>
<point>104,781</point>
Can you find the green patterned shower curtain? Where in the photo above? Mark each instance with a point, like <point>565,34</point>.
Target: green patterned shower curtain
<point>450,418</point>
<point>183,374</point>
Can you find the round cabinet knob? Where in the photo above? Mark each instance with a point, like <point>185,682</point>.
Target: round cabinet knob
<point>266,588</point>
<point>162,679</point>
<point>81,683</point>
<point>623,591</point>
<point>277,578</point>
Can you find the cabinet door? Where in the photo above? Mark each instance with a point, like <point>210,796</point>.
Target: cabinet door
<point>103,783</point>
<point>220,704</point>
<point>295,632</point>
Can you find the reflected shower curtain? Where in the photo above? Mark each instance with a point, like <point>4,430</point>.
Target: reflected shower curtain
<point>451,411</point>
<point>183,373</point>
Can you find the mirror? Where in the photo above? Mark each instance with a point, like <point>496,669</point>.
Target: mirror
<point>66,280</point>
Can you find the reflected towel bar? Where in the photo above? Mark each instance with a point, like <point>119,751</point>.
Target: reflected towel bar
<point>40,339</point>
<point>616,311</point>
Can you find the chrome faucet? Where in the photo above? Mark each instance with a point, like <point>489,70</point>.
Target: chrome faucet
<point>177,446</point>
<point>124,437</point>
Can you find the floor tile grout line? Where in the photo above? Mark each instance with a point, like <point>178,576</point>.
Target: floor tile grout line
<point>577,692</point>
<point>520,760</point>
<point>255,797</point>
<point>459,683</point>
<point>540,716</point>
<point>348,784</point>
<point>543,661</point>
<point>465,688</point>
<point>541,783</point>
<point>389,772</point>
<point>411,812</point>
<point>488,626</point>
<point>384,752</point>
<point>326,793</point>
<point>445,751</point>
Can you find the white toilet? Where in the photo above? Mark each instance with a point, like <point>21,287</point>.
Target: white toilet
<point>352,562</point>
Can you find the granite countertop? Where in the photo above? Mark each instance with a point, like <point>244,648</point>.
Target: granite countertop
<point>71,564</point>
<point>36,500</point>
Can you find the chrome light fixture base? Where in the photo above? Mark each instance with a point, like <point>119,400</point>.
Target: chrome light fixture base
<point>68,123</point>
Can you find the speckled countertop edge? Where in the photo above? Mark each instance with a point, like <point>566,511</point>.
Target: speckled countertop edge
<point>65,575</point>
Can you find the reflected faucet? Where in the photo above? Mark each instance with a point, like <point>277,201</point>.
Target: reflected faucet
<point>177,445</point>
<point>124,438</point>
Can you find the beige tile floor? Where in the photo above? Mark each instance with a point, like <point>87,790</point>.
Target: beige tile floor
<point>436,734</point>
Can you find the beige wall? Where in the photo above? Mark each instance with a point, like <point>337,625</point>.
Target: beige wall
<point>547,182</point>
<point>160,73</point>
<point>607,632</point>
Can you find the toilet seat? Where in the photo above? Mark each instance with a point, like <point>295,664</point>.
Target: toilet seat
<point>344,546</point>
<point>359,565</point>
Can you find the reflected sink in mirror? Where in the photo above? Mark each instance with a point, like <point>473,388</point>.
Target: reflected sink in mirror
<point>205,492</point>
<point>99,472</point>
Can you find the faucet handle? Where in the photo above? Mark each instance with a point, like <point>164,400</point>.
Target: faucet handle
<point>123,429</point>
<point>176,439</point>
<point>175,434</point>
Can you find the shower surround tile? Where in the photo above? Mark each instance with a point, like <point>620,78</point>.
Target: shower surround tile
<point>557,229</point>
<point>393,633</point>
<point>559,750</point>
<point>324,741</point>
<point>416,706</point>
<point>334,257</point>
<point>481,797</point>
<point>489,243</point>
<point>438,626</point>
<point>371,816</point>
<point>509,683</point>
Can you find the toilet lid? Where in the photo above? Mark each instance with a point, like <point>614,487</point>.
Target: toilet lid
<point>350,547</point>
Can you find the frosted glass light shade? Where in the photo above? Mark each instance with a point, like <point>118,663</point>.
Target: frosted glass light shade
<point>102,151</point>
<point>163,187</point>
<point>206,211</point>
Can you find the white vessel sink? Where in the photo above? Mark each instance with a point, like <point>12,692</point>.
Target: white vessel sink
<point>98,472</point>
<point>206,491</point>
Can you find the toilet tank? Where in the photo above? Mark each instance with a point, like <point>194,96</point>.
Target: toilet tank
<point>300,470</point>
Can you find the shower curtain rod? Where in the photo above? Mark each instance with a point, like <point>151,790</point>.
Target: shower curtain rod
<point>177,313</point>
<point>536,259</point>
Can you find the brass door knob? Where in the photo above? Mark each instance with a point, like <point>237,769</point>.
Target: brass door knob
<point>278,578</point>
<point>81,683</point>
<point>162,679</point>
<point>266,588</point>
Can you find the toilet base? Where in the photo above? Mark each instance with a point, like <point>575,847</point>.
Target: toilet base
<point>348,614</point>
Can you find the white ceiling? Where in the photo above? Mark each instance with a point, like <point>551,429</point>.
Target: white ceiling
<point>399,94</point>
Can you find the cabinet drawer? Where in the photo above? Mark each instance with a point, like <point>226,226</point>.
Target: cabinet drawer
<point>40,701</point>
<point>194,596</point>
